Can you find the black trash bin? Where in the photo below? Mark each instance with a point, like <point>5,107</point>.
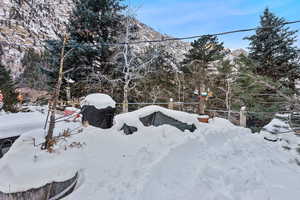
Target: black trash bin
<point>101,118</point>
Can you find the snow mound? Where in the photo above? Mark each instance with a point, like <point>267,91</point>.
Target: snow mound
<point>279,130</point>
<point>15,124</point>
<point>278,125</point>
<point>133,118</point>
<point>100,101</point>
<point>26,166</point>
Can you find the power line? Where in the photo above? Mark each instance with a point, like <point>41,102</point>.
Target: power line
<point>169,39</point>
<point>215,34</point>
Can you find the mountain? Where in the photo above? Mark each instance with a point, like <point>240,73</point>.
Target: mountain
<point>176,47</point>
<point>27,24</point>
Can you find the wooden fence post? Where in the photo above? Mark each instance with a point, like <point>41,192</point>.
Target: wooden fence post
<point>68,94</point>
<point>125,106</point>
<point>171,104</point>
<point>243,118</point>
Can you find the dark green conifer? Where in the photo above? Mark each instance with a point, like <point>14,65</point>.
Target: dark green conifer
<point>7,87</point>
<point>92,25</point>
<point>273,48</point>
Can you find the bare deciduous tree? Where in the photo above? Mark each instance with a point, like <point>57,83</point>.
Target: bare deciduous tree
<point>133,66</point>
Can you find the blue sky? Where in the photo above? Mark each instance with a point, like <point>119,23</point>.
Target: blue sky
<point>180,18</point>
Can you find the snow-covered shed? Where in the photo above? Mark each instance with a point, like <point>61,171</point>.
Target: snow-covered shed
<point>98,110</point>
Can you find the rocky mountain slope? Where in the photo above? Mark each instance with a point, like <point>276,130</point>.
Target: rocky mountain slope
<point>178,48</point>
<point>26,24</point>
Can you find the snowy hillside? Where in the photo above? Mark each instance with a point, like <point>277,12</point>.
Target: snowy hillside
<point>217,161</point>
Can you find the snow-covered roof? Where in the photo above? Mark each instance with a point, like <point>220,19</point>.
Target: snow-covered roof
<point>98,100</point>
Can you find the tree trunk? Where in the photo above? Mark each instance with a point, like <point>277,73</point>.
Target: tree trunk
<point>125,101</point>
<point>126,70</point>
<point>202,100</point>
<point>49,137</point>
<point>228,99</point>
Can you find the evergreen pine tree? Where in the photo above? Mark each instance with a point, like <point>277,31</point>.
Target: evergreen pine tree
<point>92,24</point>
<point>272,60</point>
<point>197,65</point>
<point>251,91</point>
<point>8,90</point>
<point>272,47</point>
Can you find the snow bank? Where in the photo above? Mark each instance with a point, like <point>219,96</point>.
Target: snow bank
<point>279,130</point>
<point>278,125</point>
<point>2,112</point>
<point>98,100</point>
<point>15,124</point>
<point>217,161</point>
<point>26,166</point>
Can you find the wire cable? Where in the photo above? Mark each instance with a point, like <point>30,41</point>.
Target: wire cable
<point>167,38</point>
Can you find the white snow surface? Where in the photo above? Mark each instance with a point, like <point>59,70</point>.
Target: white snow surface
<point>277,125</point>
<point>98,100</point>
<point>279,130</point>
<point>216,161</point>
<point>72,109</point>
<point>18,123</point>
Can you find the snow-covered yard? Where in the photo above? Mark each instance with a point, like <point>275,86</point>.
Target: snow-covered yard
<point>217,161</point>
<point>16,124</point>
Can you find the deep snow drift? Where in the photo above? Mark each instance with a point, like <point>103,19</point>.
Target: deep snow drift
<point>216,161</point>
